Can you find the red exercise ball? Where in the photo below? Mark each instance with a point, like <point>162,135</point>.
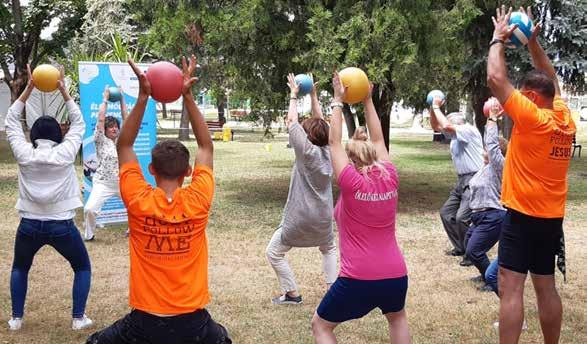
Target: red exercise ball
<point>166,81</point>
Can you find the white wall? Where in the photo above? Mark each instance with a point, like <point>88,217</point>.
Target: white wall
<point>4,102</point>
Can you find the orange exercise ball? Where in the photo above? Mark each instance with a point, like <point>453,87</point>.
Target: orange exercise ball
<point>357,84</point>
<point>45,78</point>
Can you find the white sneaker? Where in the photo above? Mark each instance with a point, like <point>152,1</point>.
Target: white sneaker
<point>15,324</point>
<point>81,323</point>
<point>524,325</point>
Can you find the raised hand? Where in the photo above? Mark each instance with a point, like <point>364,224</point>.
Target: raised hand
<point>438,101</point>
<point>30,85</point>
<point>338,88</point>
<point>495,110</point>
<point>369,94</point>
<point>502,29</point>
<point>314,91</point>
<point>144,84</point>
<point>188,71</point>
<point>61,81</point>
<point>537,26</point>
<point>294,88</point>
<point>106,94</point>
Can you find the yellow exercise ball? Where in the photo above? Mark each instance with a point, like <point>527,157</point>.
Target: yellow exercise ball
<point>45,78</point>
<point>357,84</point>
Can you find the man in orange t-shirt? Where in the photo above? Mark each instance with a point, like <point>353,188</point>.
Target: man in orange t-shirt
<point>534,185</point>
<point>167,241</point>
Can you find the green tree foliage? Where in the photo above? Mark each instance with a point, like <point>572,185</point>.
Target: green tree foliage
<point>104,20</point>
<point>20,35</point>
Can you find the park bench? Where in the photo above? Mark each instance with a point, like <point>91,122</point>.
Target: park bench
<point>237,115</point>
<point>216,126</point>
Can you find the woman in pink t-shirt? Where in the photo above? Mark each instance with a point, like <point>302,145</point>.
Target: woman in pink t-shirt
<point>373,273</point>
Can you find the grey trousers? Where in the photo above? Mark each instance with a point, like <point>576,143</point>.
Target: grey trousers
<point>456,214</point>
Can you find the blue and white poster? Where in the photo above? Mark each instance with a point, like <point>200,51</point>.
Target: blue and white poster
<point>93,78</point>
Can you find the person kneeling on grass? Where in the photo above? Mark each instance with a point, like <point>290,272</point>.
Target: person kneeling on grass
<point>168,244</point>
<point>373,272</point>
<point>49,193</point>
<point>105,180</point>
<point>307,217</point>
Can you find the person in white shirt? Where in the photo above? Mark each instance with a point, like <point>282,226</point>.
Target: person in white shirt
<point>105,180</point>
<point>49,193</point>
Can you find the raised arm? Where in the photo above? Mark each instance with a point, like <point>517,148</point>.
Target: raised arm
<point>14,132</point>
<point>438,120</point>
<point>292,112</point>
<point>102,114</point>
<point>496,158</point>
<point>70,145</point>
<point>539,58</point>
<point>123,111</point>
<point>130,129</point>
<point>316,108</point>
<point>205,154</point>
<point>497,75</point>
<point>337,152</point>
<point>374,126</point>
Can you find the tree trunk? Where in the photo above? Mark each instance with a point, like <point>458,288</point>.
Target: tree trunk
<point>184,125</point>
<point>220,101</point>
<point>349,120</point>
<point>478,98</point>
<point>164,110</point>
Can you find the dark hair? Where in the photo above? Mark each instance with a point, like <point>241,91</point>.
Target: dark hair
<point>46,128</point>
<point>317,131</point>
<point>170,159</point>
<point>538,81</point>
<point>111,121</point>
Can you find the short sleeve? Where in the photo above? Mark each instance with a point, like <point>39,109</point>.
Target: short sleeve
<point>349,179</point>
<point>202,185</point>
<point>559,105</point>
<point>298,139</point>
<point>522,111</point>
<point>132,183</point>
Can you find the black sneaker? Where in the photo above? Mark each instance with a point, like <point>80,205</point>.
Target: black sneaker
<point>466,262</point>
<point>287,300</point>
<point>454,252</point>
<point>477,279</point>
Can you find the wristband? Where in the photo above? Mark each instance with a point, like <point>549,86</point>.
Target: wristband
<point>293,98</point>
<point>435,107</point>
<point>494,120</point>
<point>336,104</point>
<point>495,41</point>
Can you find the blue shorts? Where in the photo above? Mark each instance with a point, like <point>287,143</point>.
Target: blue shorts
<point>350,299</point>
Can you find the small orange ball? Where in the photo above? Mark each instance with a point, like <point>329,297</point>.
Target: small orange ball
<point>45,78</point>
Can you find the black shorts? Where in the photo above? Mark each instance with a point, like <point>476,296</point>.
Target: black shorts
<point>350,299</point>
<point>141,327</point>
<point>529,243</point>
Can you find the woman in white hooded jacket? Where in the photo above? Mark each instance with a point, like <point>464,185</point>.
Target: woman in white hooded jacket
<point>49,193</point>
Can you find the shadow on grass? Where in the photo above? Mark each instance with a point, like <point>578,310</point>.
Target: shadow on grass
<point>256,192</point>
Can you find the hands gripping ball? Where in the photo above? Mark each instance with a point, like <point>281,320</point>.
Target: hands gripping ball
<point>166,82</point>
<point>488,104</point>
<point>523,32</point>
<point>356,83</point>
<point>45,78</point>
<point>114,94</point>
<point>305,83</point>
<point>433,94</point>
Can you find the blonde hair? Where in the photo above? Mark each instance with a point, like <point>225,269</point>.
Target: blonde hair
<point>363,154</point>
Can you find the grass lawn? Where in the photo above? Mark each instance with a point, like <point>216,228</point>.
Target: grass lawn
<point>252,180</point>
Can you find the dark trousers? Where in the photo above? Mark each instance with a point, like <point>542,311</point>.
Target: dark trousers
<point>141,327</point>
<point>64,237</point>
<point>455,213</point>
<point>482,235</point>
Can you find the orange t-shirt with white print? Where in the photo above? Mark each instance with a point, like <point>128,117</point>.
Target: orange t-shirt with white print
<point>538,157</point>
<point>167,242</point>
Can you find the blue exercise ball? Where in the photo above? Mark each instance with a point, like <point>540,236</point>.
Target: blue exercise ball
<point>114,94</point>
<point>433,94</point>
<point>523,32</point>
<point>305,83</point>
